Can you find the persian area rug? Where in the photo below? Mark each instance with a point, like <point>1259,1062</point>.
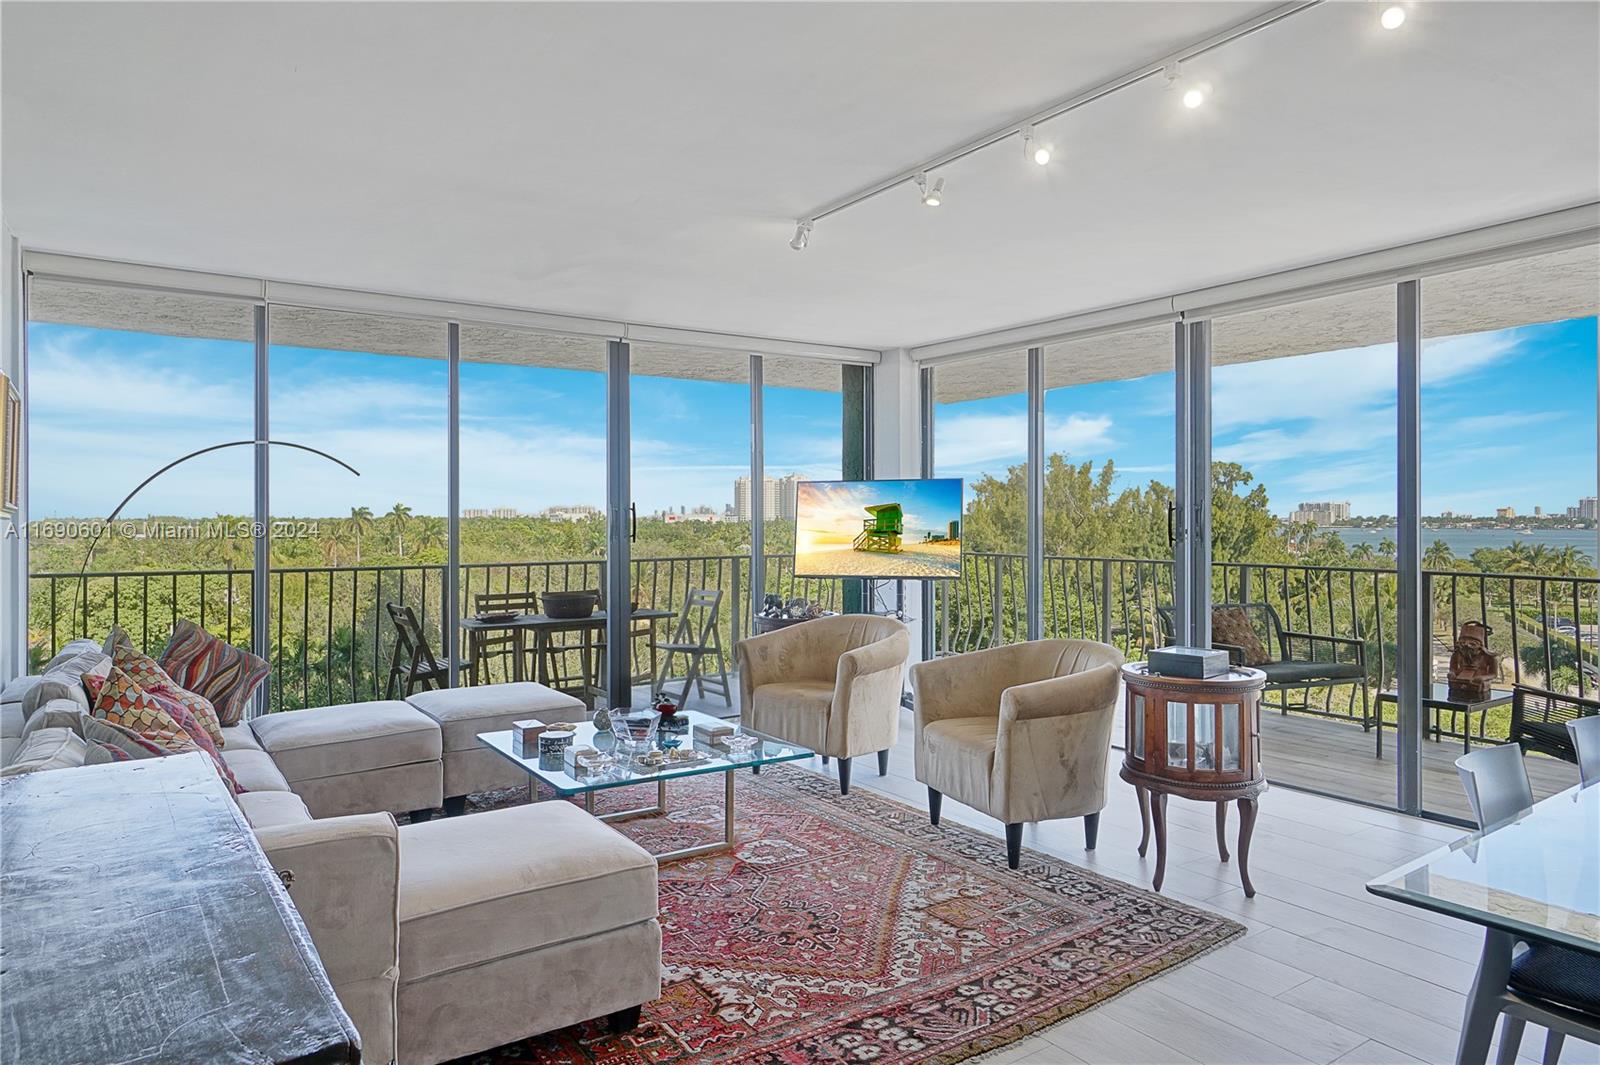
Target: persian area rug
<point>849,929</point>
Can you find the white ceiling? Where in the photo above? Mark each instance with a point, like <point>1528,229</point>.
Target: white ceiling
<point>646,161</point>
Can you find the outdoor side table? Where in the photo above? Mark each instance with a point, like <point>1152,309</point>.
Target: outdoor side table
<point>1438,701</point>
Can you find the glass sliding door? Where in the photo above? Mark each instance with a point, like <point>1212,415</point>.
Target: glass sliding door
<point>803,419</point>
<point>980,434</point>
<point>1108,484</point>
<point>121,383</point>
<point>1508,507</point>
<point>533,495</point>
<point>690,452</point>
<point>1303,537</point>
<point>371,392</point>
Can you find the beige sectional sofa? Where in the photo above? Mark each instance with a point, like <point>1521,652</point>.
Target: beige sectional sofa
<point>441,938</point>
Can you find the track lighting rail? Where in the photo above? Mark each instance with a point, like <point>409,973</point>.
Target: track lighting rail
<point>1137,74</point>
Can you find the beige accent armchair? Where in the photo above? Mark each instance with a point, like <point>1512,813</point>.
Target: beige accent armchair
<point>1020,732</point>
<point>832,685</point>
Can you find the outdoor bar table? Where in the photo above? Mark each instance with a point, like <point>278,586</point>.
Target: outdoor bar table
<point>1535,878</point>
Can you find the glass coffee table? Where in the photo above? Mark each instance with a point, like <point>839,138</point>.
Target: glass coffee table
<point>632,769</point>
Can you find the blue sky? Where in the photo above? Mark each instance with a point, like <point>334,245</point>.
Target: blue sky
<point>1508,420</point>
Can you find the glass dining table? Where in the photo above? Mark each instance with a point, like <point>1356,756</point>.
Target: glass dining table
<point>1533,879</point>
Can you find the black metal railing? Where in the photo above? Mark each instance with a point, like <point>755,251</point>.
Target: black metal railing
<point>328,637</point>
<point>329,640</point>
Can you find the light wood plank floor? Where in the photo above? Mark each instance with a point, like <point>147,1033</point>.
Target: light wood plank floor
<point>1327,972</point>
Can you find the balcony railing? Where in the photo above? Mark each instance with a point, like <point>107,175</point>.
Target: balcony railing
<point>329,640</point>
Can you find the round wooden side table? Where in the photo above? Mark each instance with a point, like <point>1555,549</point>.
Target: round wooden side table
<point>1197,739</point>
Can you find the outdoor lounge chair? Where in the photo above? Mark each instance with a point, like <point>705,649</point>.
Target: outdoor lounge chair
<point>1294,661</point>
<point>1539,720</point>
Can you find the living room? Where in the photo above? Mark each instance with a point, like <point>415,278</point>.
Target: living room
<point>713,532</point>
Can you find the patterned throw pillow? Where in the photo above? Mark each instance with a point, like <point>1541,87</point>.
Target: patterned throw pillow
<point>1231,625</point>
<point>114,639</point>
<point>149,675</point>
<point>167,723</point>
<point>199,662</point>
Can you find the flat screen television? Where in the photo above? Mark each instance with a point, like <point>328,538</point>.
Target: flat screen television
<point>879,530</point>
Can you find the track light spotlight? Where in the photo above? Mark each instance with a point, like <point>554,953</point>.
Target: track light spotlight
<point>1038,151</point>
<point>1393,17</point>
<point>1193,95</point>
<point>802,235</point>
<point>932,195</point>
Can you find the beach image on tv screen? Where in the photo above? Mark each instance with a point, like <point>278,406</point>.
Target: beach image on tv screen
<point>887,530</point>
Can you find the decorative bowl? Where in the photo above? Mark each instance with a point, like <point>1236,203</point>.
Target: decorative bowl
<point>634,727</point>
<point>565,605</point>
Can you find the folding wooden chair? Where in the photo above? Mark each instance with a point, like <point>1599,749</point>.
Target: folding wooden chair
<point>695,637</point>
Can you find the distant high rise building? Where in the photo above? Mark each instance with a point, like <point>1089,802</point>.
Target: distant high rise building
<point>1505,512</point>
<point>1589,507</point>
<point>1323,513</point>
<point>777,498</point>
<point>479,512</point>
<point>1538,512</point>
<point>505,512</point>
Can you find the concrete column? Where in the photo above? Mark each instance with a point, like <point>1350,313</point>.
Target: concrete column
<point>897,449</point>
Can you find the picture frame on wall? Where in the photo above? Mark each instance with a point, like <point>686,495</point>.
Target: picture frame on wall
<point>10,446</point>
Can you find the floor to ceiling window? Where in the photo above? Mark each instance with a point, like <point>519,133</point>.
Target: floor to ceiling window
<point>1108,485</point>
<point>1303,488</point>
<point>533,489</point>
<point>690,453</point>
<point>1508,504</point>
<point>803,419</point>
<point>121,383</point>
<point>371,392</point>
<point>980,434</point>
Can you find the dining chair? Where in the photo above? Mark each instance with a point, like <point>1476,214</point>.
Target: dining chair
<point>484,645</point>
<point>413,663</point>
<point>696,638</point>
<point>1585,733</point>
<point>1548,985</point>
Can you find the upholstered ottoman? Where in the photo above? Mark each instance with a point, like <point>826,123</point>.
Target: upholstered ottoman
<point>462,713</point>
<point>358,758</point>
<point>519,921</point>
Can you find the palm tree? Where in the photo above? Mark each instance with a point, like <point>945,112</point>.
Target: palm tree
<point>330,550</point>
<point>357,525</point>
<point>430,535</point>
<point>1438,556</point>
<point>398,519</point>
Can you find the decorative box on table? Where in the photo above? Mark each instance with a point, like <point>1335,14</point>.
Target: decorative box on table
<point>1198,739</point>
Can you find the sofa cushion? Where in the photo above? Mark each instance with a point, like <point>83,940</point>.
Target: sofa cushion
<point>239,737</point>
<point>13,692</point>
<point>57,713</point>
<point>121,700</point>
<point>201,663</point>
<point>11,726</point>
<point>332,741</point>
<point>51,748</point>
<point>254,770</point>
<point>462,713</point>
<point>66,679</point>
<point>149,675</point>
<point>504,882</point>
<point>794,711</point>
<point>273,809</point>
<point>70,650</point>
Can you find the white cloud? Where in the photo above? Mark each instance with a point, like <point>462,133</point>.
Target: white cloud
<point>980,441</point>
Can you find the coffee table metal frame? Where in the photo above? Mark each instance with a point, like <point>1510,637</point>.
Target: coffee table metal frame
<point>555,776</point>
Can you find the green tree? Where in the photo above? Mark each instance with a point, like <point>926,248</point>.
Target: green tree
<point>357,526</point>
<point>398,520</point>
